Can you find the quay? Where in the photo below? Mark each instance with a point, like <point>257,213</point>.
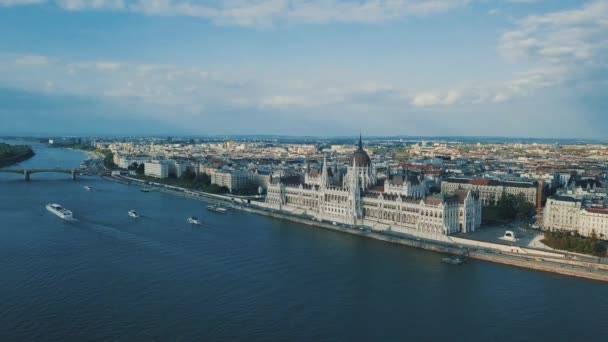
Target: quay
<point>540,260</point>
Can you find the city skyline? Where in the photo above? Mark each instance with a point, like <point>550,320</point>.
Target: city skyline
<point>304,68</point>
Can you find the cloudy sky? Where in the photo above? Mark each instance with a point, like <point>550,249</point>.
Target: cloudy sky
<point>535,68</point>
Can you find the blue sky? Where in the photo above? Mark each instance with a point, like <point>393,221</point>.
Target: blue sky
<point>534,68</point>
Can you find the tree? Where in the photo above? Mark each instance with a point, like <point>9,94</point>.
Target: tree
<point>201,181</point>
<point>506,206</point>
<point>140,169</point>
<point>523,207</point>
<point>133,166</point>
<point>575,243</point>
<point>188,176</point>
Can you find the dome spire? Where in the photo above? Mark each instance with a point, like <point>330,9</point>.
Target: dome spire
<point>360,141</point>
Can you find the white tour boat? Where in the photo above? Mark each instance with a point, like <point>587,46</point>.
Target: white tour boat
<point>88,188</point>
<point>60,211</point>
<point>133,213</point>
<point>193,220</point>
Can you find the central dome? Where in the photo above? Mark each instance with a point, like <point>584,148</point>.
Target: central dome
<point>360,157</point>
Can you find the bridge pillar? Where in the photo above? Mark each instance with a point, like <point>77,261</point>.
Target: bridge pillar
<point>26,175</point>
<point>73,174</point>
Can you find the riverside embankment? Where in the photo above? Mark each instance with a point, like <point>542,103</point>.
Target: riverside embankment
<point>539,260</point>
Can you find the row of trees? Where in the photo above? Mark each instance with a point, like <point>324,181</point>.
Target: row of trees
<point>108,159</point>
<point>509,207</point>
<point>138,168</point>
<point>189,180</point>
<point>10,154</point>
<point>573,242</point>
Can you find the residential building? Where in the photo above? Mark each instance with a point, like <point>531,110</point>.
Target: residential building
<point>490,191</point>
<point>564,213</point>
<point>233,179</point>
<point>156,168</point>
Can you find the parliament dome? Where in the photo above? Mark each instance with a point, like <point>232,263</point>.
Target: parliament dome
<point>360,158</point>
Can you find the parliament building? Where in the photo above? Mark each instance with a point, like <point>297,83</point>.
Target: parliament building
<point>357,198</point>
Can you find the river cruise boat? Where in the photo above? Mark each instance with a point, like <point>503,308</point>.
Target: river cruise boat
<point>88,188</point>
<point>60,211</point>
<point>453,260</point>
<point>217,209</point>
<point>193,220</point>
<point>133,213</point>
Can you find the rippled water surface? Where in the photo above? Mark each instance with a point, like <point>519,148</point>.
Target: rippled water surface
<point>245,277</point>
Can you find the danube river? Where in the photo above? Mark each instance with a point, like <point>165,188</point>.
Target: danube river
<point>245,277</point>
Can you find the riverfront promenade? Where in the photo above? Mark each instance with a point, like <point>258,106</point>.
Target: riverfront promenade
<point>541,260</point>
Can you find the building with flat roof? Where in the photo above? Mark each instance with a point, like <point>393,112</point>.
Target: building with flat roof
<point>156,168</point>
<point>491,190</point>
<point>233,179</point>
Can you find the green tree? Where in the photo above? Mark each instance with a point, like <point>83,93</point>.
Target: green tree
<point>574,242</point>
<point>506,206</point>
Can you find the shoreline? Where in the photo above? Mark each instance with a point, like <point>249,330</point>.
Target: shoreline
<point>90,154</point>
<point>17,159</point>
<point>534,260</point>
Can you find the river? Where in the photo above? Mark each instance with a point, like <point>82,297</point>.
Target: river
<point>241,276</point>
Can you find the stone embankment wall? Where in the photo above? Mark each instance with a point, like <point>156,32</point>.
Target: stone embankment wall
<point>527,260</point>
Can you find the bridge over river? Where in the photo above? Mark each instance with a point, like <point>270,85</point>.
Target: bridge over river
<point>72,172</point>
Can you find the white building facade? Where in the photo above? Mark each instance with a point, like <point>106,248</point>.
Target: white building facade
<point>358,202</point>
<point>156,168</point>
<point>563,213</point>
<point>233,179</point>
<point>490,191</point>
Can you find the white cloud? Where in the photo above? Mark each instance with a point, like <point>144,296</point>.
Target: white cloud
<point>107,66</point>
<point>78,5</point>
<point>568,36</point>
<point>562,47</point>
<point>32,60</point>
<point>192,87</point>
<point>426,99</point>
<point>266,12</point>
<point>8,3</point>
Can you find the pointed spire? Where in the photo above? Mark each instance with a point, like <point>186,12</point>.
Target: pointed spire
<point>324,172</point>
<point>360,142</point>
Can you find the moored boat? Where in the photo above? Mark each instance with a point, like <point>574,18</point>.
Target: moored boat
<point>217,209</point>
<point>453,260</point>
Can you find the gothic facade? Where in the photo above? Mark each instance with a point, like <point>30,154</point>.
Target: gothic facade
<point>359,201</point>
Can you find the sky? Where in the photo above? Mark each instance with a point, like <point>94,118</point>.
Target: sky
<point>519,68</point>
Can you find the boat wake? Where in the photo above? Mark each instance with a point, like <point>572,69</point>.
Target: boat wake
<point>131,238</point>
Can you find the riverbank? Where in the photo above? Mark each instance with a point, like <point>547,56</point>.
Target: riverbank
<point>91,155</point>
<point>13,154</point>
<point>539,260</point>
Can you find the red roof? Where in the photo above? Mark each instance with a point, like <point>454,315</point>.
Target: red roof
<point>597,211</point>
<point>480,182</point>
